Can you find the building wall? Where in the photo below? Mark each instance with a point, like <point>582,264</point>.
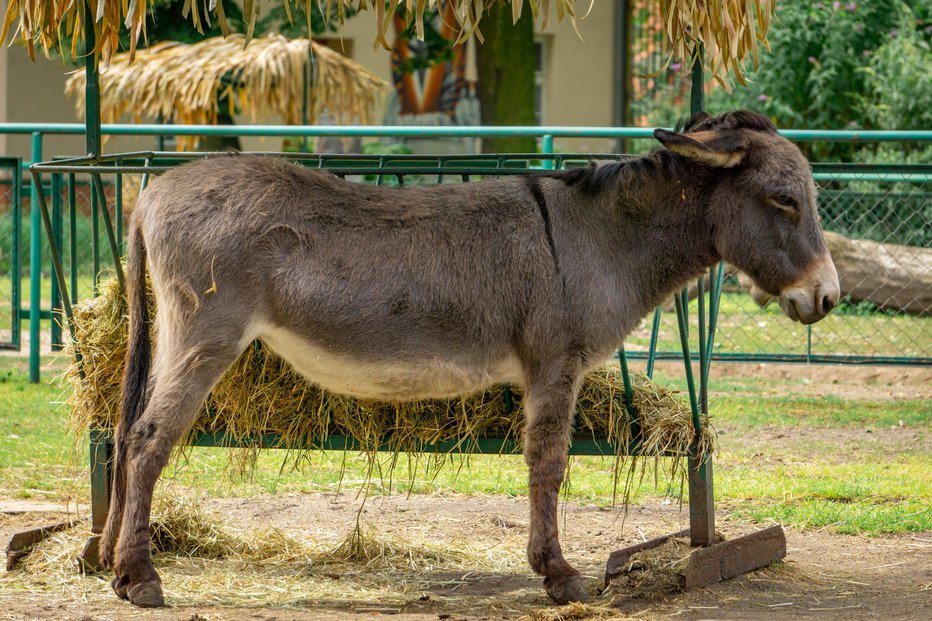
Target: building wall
<point>577,85</point>
<point>578,73</point>
<point>34,92</point>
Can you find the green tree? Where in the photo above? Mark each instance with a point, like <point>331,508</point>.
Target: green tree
<point>842,65</point>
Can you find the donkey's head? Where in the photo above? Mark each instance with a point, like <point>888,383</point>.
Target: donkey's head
<point>762,207</point>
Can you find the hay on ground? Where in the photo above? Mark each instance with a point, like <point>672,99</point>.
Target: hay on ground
<point>654,573</point>
<point>261,394</point>
<point>574,612</point>
<point>203,561</point>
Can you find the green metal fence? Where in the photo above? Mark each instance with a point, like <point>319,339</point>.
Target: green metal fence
<point>882,203</point>
<point>11,224</point>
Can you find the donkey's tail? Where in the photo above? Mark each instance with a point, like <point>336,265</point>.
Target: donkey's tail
<point>138,351</point>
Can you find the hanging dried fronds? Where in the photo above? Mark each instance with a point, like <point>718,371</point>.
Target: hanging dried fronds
<point>730,30</point>
<point>188,83</point>
<point>727,32</point>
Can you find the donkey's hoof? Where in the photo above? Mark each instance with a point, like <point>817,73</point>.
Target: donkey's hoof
<point>119,585</point>
<point>566,589</point>
<point>146,594</point>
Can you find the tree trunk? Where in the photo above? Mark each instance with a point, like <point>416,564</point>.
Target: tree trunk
<point>505,67</point>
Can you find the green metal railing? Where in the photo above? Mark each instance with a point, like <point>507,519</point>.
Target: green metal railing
<point>10,252</point>
<point>889,186</point>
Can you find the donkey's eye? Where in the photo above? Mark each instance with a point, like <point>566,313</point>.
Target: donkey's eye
<point>783,201</point>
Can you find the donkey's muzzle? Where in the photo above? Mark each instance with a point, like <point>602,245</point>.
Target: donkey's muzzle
<point>814,294</point>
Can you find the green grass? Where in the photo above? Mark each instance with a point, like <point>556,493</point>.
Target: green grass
<point>36,457</point>
<point>803,461</point>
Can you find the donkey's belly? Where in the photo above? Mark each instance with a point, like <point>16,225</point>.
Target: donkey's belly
<point>387,380</point>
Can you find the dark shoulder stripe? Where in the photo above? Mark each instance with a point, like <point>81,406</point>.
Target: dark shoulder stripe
<point>533,186</point>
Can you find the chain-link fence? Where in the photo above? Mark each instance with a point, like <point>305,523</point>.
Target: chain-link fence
<point>878,223</point>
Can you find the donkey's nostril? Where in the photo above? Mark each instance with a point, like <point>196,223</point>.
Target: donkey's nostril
<point>827,304</point>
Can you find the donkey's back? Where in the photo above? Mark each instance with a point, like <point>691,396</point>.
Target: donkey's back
<point>376,292</point>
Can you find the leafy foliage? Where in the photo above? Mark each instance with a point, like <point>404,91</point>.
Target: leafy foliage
<point>840,66</point>
<point>897,80</point>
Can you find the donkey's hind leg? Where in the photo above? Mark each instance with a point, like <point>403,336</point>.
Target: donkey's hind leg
<point>550,401</point>
<point>187,365</point>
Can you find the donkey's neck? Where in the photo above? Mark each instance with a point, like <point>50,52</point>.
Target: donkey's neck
<point>649,232</point>
<point>667,220</point>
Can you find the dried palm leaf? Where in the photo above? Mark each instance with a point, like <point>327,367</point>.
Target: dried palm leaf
<point>186,83</point>
<point>730,31</point>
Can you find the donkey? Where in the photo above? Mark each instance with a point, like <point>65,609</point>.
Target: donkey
<point>433,292</point>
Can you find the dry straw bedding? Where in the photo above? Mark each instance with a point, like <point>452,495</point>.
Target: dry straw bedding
<point>261,394</point>
<point>203,561</point>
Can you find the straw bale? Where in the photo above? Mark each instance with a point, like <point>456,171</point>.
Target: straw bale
<point>261,394</point>
<point>730,30</point>
<point>181,82</point>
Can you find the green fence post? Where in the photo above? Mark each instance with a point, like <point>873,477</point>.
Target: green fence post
<point>56,315</point>
<point>35,265</point>
<point>101,454</point>
<point>701,499</point>
<point>16,266</point>
<point>72,238</point>
<point>546,148</point>
<point>91,91</point>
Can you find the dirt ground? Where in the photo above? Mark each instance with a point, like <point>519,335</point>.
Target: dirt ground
<point>824,576</point>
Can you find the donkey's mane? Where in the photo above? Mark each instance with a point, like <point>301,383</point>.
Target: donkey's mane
<point>593,179</point>
<point>739,119</point>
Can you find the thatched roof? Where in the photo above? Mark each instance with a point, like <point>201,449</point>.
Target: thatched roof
<point>730,30</point>
<point>181,82</point>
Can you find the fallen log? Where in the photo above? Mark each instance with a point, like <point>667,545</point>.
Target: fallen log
<point>888,275</point>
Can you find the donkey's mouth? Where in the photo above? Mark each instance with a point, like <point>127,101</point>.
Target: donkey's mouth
<point>814,294</point>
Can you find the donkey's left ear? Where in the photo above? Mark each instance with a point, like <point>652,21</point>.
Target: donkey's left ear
<point>721,149</point>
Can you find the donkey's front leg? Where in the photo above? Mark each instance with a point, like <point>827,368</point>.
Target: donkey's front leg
<point>549,407</point>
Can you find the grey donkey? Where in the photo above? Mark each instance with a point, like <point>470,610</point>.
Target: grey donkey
<point>432,292</point>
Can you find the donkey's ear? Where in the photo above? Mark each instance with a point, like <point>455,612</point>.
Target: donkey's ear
<point>721,149</point>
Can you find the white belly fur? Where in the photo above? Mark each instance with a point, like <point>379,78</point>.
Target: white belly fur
<point>386,381</point>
